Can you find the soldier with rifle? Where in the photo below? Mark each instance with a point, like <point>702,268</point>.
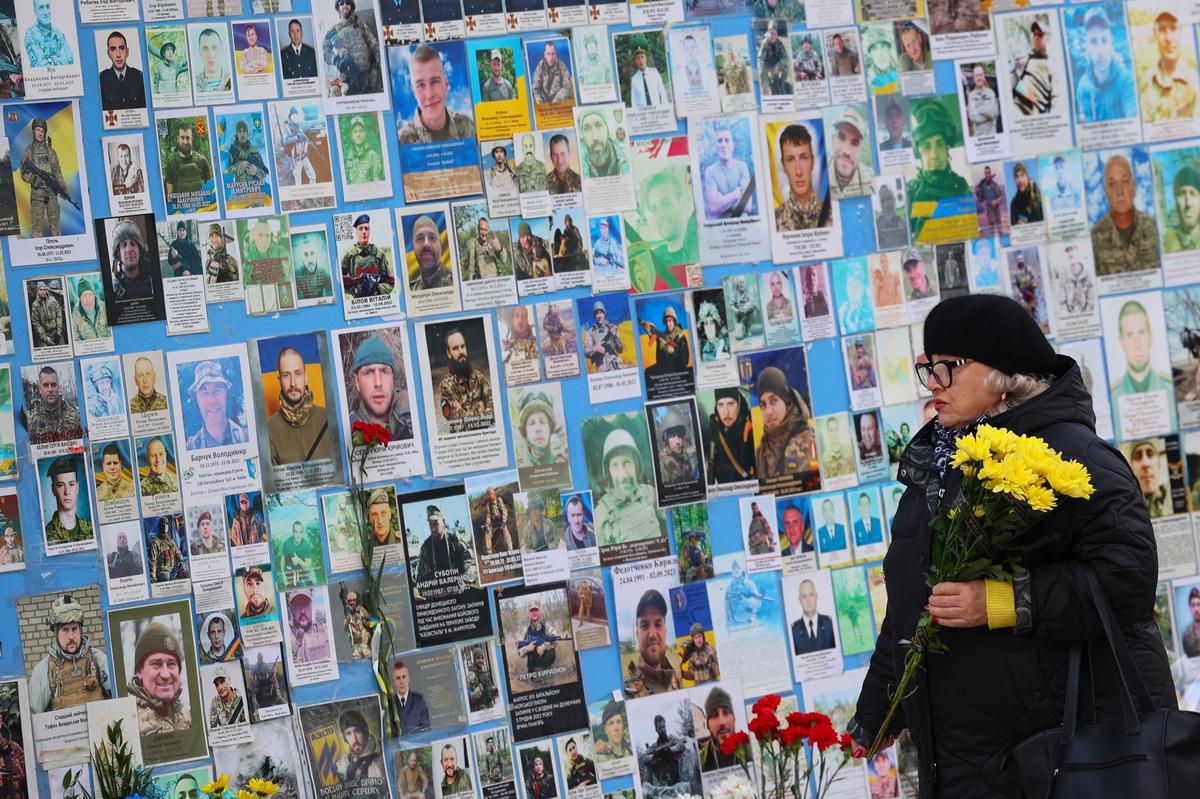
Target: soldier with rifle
<point>41,170</point>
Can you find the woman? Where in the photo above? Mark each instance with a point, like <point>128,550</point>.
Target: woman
<point>1003,678</point>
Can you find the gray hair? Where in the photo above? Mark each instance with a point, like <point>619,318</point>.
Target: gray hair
<point>1013,389</point>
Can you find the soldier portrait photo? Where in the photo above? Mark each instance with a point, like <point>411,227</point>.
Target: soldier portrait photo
<point>427,251</point>
<point>43,139</point>
<point>127,167</point>
<point>734,75</point>
<point>158,472</point>
<point>255,594</point>
<point>244,519</point>
<point>46,307</point>
<point>413,770</point>
<point>350,48</point>
<point>213,397</point>
<point>799,179</point>
<point>297,56</point>
<point>218,636</point>
<point>66,508</point>
<point>1121,211</point>
<point>432,93</point>
<point>376,388</point>
<point>539,426</point>
<point>1177,192</point>
<point>154,665</point>
<point>978,83</point>
<point>460,377</point>
<point>493,753</point>
<point>131,269</point>
<point>537,772</point>
<point>361,151</point>
<point>166,542</point>
<point>786,447</point>
<point>365,257</point>
<point>1036,89</point>
<point>185,158</point>
<point>146,374</point>
<point>441,548</point>
<point>242,147</point>
<point>122,85</point>
<point>1166,62</point>
<point>266,684</point>
<point>223,692</point>
<point>664,740</point>
<point>551,63</point>
<point>484,249</point>
<point>678,470</point>
<point>1101,63</point>
<point>620,473</point>
<point>50,407</point>
<point>113,470</point>
<point>939,187</point>
<point>728,183</point>
<point>89,318</point>
<point>212,67</point>
<point>538,643</point>
<point>345,737</point>
<point>64,649</point>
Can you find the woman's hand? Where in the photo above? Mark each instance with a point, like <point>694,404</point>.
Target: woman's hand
<point>859,749</point>
<point>959,604</point>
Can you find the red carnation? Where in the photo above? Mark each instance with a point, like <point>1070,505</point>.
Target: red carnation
<point>767,704</point>
<point>734,742</point>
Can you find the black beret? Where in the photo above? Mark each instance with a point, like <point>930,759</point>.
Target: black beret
<point>991,329</point>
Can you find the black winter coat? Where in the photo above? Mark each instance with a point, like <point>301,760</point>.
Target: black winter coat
<point>994,688</point>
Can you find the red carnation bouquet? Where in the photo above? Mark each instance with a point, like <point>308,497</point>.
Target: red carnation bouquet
<point>787,769</point>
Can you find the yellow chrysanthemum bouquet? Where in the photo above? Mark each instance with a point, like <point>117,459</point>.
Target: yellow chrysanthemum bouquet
<point>255,788</point>
<point>1009,482</point>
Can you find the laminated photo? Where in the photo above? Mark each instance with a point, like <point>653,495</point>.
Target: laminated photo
<point>733,223</point>
<point>833,547</point>
<point>51,405</point>
<point>759,541</point>
<point>804,223</point>
<point>435,120</point>
<point>462,409</point>
<point>563,183</point>
<point>1026,210</point>
<point>664,743</point>
<point>401,21</point>
<point>709,319</point>
<point>65,504</point>
<point>272,753</point>
<point>125,576</point>
<point>543,548</point>
<point>453,774</point>
<point>366,258</point>
<point>158,476</point>
<point>131,271</point>
<point>148,407</point>
<point>531,255</point>
<point>170,70</point>
<point>959,31</point>
<point>607,12</point>
<point>984,258</point>
<point>585,590</point>
<point>552,85</point>
<point>1176,191</point>
<point>952,269</point>
<point>217,632</point>
<point>858,351</point>
<point>1119,188</point>
<point>662,230</point>
<point>170,718</point>
<point>223,692</point>
<point>309,637</point>
<point>254,59</point>
<point>497,158</point>
<point>866,520</point>
<point>125,167</point>
<point>749,626</point>
<point>354,639</point>
<point>297,56</point>
<point>113,468</point>
<point>374,378</point>
<point>606,171</point>
<point>541,661</point>
<point>1062,194</point>
<point>50,56</point>
<point>258,613</point>
<point>833,435</point>
<point>208,544</point>
<point>365,160</point>
<point>218,451</point>
<point>594,67</point>
<point>941,207</point>
<point>212,64</point>
<point>427,685</point>
<point>262,667</point>
<point>530,174</point>
<point>569,251</point>
<point>1034,85</point>
<point>983,116</point>
<point>555,323</point>
<point>786,446</point>
<point>122,84</point>
<point>665,344</point>
<point>1165,60</point>
<point>693,72</point>
<point>848,164</point>
<point>577,758</point>
<point>919,267</point>
<point>266,248</point>
<point>341,532</point>
<point>796,544</point>
<point>883,66</point>
<point>735,78</point>
<point>567,12</point>
<point>1183,334</point>
<point>1157,463</point>
<point>499,87</point>
<point>894,135</point>
<point>693,542</point>
<point>429,274</point>
<point>606,242</point>
<point>779,314</point>
<point>1139,366</point>
<point>480,685</point>
<point>816,301</point>
<point>539,429</point>
<point>443,20</point>
<point>303,159</point>
<point>991,199</point>
<point>895,358</point>
<point>485,257</point>
<point>353,72</point>
<point>1100,56</point>
<point>241,140</point>
<point>644,80</point>
<point>678,467</point>
<point>481,18</point>
<point>448,602</point>
<point>185,151</point>
<point>629,524</point>
<point>297,557</point>
<point>313,271</point>
<point>47,309</point>
<point>613,752</point>
<point>842,55</point>
<point>1072,273</point>
<point>52,205</point>
<point>1028,285</point>
<point>728,440</point>
<point>852,286</point>
<point>494,522</point>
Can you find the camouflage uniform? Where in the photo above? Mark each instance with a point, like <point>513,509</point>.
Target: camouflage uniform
<point>220,266</point>
<point>735,78</point>
<point>156,717</point>
<point>441,278</point>
<point>792,215</point>
<point>1175,240</point>
<point>1174,100</point>
<point>622,517</point>
<point>59,423</point>
<point>122,489</point>
<point>360,633</point>
<point>246,529</point>
<point>223,714</point>
<point>521,348</point>
<point>642,679</point>
<point>531,175</point>
<point>366,271</point>
<point>1130,250</point>
<point>187,173</point>
<point>526,264</point>
<point>47,47</point>
<point>551,84</point>
<point>603,345</point>
<point>1034,75</point>
<point>352,48</point>
<point>702,662</point>
<point>565,185</point>
<point>165,558</point>
<point>60,680</point>
<point>459,126</point>
<point>497,90</point>
<point>140,404</point>
<point>363,164</point>
<point>983,110</point>
<point>243,155</point>
<point>152,484</point>
<point>465,398</point>
<point>495,518</point>
<point>44,210</point>
<point>46,319</point>
<point>481,260</point>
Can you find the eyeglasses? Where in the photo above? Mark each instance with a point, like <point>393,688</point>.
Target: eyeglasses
<point>941,371</point>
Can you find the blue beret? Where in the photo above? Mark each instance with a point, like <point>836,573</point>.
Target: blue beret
<point>362,219</point>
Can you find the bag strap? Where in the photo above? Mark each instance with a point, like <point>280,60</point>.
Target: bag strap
<point>1127,670</point>
<point>1071,705</point>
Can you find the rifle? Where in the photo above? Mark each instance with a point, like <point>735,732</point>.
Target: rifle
<point>537,639</point>
<point>50,181</point>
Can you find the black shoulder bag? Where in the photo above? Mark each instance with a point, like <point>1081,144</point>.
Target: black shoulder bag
<point>1150,753</point>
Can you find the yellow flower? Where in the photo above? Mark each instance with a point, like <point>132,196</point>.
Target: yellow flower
<point>263,787</point>
<point>1041,499</point>
<point>217,786</point>
<point>970,448</point>
<point>244,794</point>
<point>1071,479</point>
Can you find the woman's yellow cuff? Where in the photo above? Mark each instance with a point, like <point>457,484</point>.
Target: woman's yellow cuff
<point>1001,607</point>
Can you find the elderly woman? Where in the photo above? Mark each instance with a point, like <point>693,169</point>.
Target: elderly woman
<point>1004,675</point>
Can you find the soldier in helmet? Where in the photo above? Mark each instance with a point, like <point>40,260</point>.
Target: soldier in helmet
<point>537,425</point>
<point>934,134</point>
<point>186,169</point>
<point>50,417</point>
<point>132,267</point>
<point>357,627</point>
<point>227,707</point>
<point>366,271</point>
<point>602,342</point>
<point>67,523</point>
<point>671,352</point>
<point>157,685</point>
<point>245,161</point>
<point>44,211</point>
<point>699,657</point>
<point>352,49</point>
<point>465,393</point>
<point>627,511</point>
<point>362,759</point>
<point>676,455</point>
<point>219,265</point>
<point>73,672</point>
<point>46,319</point>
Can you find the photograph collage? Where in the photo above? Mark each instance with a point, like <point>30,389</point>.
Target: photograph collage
<point>424,399</point>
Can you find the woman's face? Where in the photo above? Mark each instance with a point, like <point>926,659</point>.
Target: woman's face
<point>967,398</point>
<point>774,410</point>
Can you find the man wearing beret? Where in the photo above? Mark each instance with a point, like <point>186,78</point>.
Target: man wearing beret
<point>1105,91</point>
<point>934,133</point>
<point>362,760</point>
<point>721,723</point>
<point>432,272</point>
<point>1125,239</point>
<point>299,429</point>
<point>67,523</point>
<point>210,392</point>
<point>645,83</point>
<point>156,685</point>
<point>1168,88</point>
<point>375,383</point>
<point>651,671</point>
<point>1032,76</point>
<point>1183,224</point>
<point>227,707</point>
<point>366,271</point>
<point>464,395</point>
<point>73,672</point>
<point>497,86</point>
